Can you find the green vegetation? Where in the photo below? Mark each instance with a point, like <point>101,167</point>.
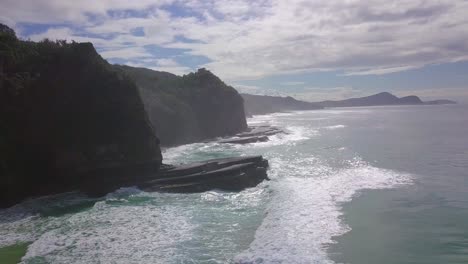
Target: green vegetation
<point>13,254</point>
<point>188,108</point>
<point>64,109</point>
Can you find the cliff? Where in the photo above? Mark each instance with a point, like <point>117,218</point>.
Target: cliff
<point>263,104</point>
<point>65,111</point>
<point>188,108</point>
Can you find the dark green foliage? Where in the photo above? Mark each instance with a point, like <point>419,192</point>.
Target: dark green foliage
<point>190,108</point>
<point>64,110</point>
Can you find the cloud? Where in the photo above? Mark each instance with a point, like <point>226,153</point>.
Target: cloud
<point>167,65</point>
<point>381,71</point>
<point>246,39</point>
<point>126,53</point>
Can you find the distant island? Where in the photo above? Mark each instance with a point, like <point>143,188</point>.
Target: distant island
<point>384,98</point>
<point>264,104</point>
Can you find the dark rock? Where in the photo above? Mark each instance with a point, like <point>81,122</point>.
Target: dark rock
<point>64,111</point>
<point>229,174</point>
<point>252,135</point>
<point>245,140</point>
<point>260,131</point>
<point>71,121</point>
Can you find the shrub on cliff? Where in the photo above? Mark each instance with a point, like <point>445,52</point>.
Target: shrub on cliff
<point>188,108</point>
<point>65,109</point>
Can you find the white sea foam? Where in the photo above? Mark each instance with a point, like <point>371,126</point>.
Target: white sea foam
<point>334,127</point>
<point>24,223</point>
<point>114,233</point>
<point>292,136</point>
<point>304,213</point>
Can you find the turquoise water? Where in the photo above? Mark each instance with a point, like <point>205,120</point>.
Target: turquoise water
<point>354,185</point>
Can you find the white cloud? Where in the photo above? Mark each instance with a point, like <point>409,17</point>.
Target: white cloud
<point>126,53</point>
<point>252,39</point>
<point>167,65</point>
<point>381,71</point>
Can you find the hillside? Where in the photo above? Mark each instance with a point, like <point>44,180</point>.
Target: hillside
<point>65,111</point>
<point>188,108</point>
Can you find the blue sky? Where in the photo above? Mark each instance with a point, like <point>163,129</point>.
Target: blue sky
<point>313,50</point>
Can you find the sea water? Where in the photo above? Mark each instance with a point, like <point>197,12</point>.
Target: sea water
<point>349,185</point>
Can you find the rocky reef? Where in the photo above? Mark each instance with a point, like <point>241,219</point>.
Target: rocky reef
<point>228,174</point>
<point>188,108</point>
<point>253,134</point>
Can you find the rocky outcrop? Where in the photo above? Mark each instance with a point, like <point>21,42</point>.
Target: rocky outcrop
<point>71,121</point>
<point>263,104</point>
<point>253,134</point>
<point>189,108</point>
<point>64,111</point>
<point>228,174</point>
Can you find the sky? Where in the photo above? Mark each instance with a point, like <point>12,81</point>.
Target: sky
<point>312,50</point>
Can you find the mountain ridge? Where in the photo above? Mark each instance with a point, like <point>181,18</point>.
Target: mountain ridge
<point>383,98</point>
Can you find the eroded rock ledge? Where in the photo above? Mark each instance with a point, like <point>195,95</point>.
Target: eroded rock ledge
<point>229,174</point>
<point>252,135</point>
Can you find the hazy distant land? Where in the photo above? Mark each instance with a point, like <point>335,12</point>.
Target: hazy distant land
<point>264,104</point>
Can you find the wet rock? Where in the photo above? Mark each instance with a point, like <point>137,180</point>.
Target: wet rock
<point>252,135</point>
<point>229,174</point>
<point>245,140</point>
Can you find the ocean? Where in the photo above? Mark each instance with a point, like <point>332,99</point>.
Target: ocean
<point>348,185</point>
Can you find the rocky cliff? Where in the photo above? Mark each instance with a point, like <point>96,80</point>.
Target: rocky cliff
<point>263,104</point>
<point>65,111</point>
<point>188,108</point>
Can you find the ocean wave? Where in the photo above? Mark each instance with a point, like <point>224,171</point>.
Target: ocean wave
<point>304,213</point>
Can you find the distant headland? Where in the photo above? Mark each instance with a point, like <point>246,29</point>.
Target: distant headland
<point>263,104</point>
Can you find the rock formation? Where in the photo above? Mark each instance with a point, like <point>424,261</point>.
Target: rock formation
<point>64,110</point>
<point>189,108</point>
<point>71,121</point>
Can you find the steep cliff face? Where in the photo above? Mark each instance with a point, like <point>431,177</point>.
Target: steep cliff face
<point>64,110</point>
<point>190,108</point>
